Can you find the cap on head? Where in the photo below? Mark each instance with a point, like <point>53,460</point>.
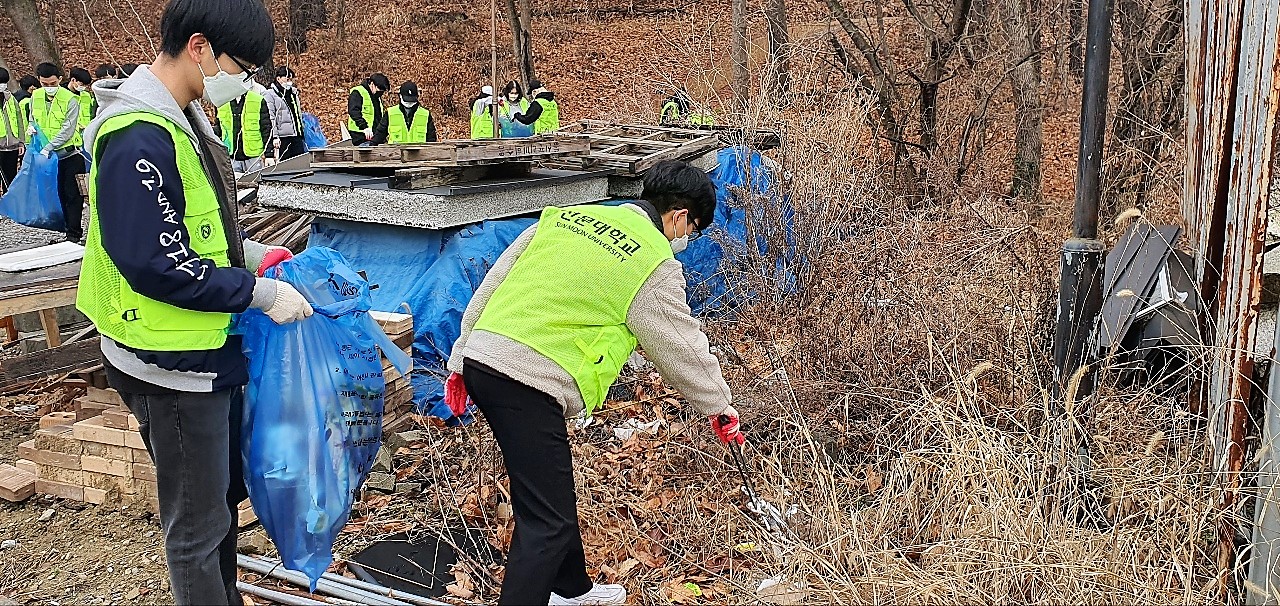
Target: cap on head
<point>535,84</point>
<point>486,89</point>
<point>409,90</point>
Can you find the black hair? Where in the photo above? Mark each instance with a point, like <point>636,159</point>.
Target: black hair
<point>126,70</point>
<point>80,74</point>
<point>48,70</point>
<point>105,70</point>
<point>4,76</point>
<point>512,86</point>
<point>535,84</point>
<point>28,81</point>
<point>379,80</point>
<point>238,28</point>
<point>676,185</point>
<point>285,71</point>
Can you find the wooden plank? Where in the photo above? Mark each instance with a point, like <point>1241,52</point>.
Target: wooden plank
<point>59,296</point>
<point>49,322</point>
<point>55,361</point>
<point>392,323</point>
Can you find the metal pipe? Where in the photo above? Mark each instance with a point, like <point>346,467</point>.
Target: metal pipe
<point>383,591</point>
<point>493,66</point>
<point>279,597</point>
<point>1080,294</point>
<point>323,586</point>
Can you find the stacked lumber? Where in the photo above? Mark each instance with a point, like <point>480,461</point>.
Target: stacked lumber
<point>398,404</point>
<point>277,228</point>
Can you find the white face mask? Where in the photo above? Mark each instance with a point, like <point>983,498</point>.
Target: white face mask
<point>408,103</point>
<point>679,244</point>
<point>223,88</point>
<point>288,85</point>
<point>51,90</point>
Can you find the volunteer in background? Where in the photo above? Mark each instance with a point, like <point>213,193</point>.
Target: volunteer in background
<point>26,92</point>
<point>126,70</point>
<point>365,113</point>
<point>515,114</point>
<point>285,105</point>
<point>549,120</point>
<point>675,108</point>
<point>533,352</point>
<point>482,114</point>
<point>57,111</point>
<point>245,126</point>
<point>104,71</point>
<point>409,122</point>
<point>164,270</point>
<point>13,128</point>
<point>78,83</point>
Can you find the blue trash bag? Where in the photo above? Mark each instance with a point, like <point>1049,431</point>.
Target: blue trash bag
<point>312,135</point>
<point>313,408</point>
<point>32,199</point>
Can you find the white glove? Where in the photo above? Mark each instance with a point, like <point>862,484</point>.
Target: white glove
<point>46,152</point>
<point>368,133</point>
<point>31,130</point>
<point>289,306</point>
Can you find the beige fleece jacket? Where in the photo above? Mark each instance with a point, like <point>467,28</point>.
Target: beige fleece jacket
<point>659,317</point>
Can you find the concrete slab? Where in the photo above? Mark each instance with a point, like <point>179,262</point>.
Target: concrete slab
<point>369,199</point>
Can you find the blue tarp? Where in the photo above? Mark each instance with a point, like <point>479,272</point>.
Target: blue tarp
<point>436,271</point>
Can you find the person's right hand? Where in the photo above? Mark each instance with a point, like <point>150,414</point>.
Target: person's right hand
<point>368,133</point>
<point>725,425</point>
<point>289,306</point>
<point>455,394</point>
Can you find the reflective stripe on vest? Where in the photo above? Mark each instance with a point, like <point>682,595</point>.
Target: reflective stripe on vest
<point>583,330</point>
<point>119,312</point>
<point>399,132</point>
<point>250,144</point>
<point>366,109</point>
<point>550,118</point>
<point>50,115</point>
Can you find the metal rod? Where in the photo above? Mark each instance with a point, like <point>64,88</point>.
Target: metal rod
<point>323,586</point>
<point>363,586</point>
<point>279,597</point>
<point>1080,295</point>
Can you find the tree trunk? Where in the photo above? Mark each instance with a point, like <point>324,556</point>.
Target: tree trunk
<point>1075,37</point>
<point>738,54</point>
<point>519,15</point>
<point>1022,22</point>
<point>342,20</point>
<point>296,42</point>
<point>780,66</point>
<point>35,36</point>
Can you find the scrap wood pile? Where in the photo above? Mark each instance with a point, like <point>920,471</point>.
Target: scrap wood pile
<point>277,228</point>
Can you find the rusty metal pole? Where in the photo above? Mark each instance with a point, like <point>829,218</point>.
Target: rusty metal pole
<point>493,66</point>
<point>1080,295</point>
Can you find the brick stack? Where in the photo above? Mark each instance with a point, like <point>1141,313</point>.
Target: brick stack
<point>398,405</point>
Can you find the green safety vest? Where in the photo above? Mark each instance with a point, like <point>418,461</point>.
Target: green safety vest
<point>11,114</point>
<point>700,119</point>
<point>366,109</point>
<point>50,115</point>
<point>583,330</point>
<point>481,123</point>
<point>86,109</point>
<point>119,312</point>
<point>399,132</point>
<point>670,113</point>
<point>24,106</point>
<point>550,118</point>
<point>250,143</point>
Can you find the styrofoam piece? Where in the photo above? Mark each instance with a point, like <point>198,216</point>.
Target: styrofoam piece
<point>41,256</point>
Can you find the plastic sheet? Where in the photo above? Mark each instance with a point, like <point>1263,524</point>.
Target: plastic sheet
<point>313,408</point>
<point>312,136</point>
<point>32,199</point>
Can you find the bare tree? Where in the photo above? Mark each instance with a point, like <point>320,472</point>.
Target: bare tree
<point>1075,37</point>
<point>520,15</point>
<point>944,31</point>
<point>36,39</point>
<point>780,69</point>
<point>741,73</point>
<point>304,16</point>
<point>1022,25</point>
<point>1149,116</point>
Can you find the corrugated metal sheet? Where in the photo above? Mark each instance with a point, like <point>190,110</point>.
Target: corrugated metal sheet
<point>1233,91</point>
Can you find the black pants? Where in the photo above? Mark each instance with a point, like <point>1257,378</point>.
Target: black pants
<point>357,137</point>
<point>291,147</point>
<point>8,168</point>
<point>194,441</point>
<point>69,195</point>
<point>546,551</point>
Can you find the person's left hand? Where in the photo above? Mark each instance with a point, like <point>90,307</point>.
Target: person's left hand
<point>726,427</point>
<point>455,394</point>
<point>46,152</point>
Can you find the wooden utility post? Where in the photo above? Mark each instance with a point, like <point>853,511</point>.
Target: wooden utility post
<point>493,67</point>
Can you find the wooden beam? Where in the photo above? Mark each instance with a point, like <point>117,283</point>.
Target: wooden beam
<point>56,361</point>
<point>49,321</point>
<point>37,301</point>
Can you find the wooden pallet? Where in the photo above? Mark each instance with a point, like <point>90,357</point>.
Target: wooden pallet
<point>439,176</point>
<point>632,149</point>
<point>454,153</point>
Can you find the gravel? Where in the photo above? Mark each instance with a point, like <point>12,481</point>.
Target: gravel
<point>13,235</point>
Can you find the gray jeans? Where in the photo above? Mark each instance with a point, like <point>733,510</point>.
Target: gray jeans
<point>194,440</point>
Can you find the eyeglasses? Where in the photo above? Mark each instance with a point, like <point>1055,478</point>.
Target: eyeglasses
<point>697,233</point>
<point>249,72</point>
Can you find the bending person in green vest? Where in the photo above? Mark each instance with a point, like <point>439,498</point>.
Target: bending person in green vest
<point>547,333</point>
<point>57,111</point>
<point>549,120</point>
<point>164,270</point>
<point>410,122</point>
<point>366,117</point>
<point>245,126</point>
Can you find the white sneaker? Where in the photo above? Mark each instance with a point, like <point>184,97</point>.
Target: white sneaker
<point>600,595</point>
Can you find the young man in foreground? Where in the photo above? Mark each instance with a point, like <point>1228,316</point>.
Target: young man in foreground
<point>165,268</point>
<point>533,352</point>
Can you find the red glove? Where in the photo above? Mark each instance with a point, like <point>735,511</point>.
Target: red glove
<point>455,395</point>
<point>726,427</point>
<point>275,256</point>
